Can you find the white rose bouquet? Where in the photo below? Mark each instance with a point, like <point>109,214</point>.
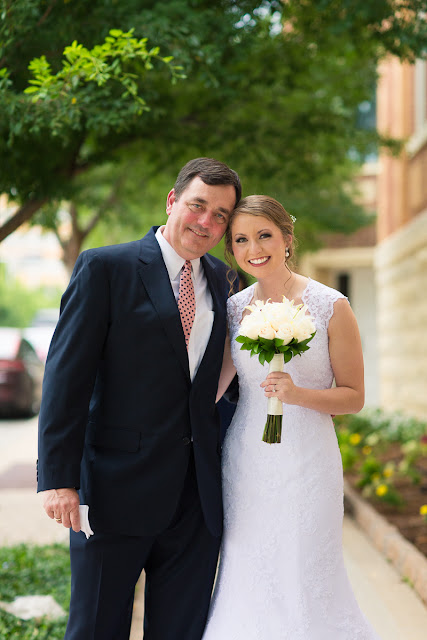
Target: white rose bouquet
<point>275,332</point>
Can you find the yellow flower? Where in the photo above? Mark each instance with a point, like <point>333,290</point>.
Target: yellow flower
<point>74,100</point>
<point>355,438</point>
<point>366,450</point>
<point>388,472</point>
<point>381,490</point>
<point>423,510</point>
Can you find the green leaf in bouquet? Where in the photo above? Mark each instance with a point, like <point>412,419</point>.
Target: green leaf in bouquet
<point>283,348</point>
<point>262,357</point>
<point>256,348</point>
<point>246,347</point>
<point>287,356</point>
<point>268,343</point>
<point>243,339</point>
<point>277,342</point>
<point>269,356</point>
<point>305,342</point>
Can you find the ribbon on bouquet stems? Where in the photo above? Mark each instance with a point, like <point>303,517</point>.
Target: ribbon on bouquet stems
<point>273,426</point>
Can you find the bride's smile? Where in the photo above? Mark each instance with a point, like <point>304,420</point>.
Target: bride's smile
<point>258,245</point>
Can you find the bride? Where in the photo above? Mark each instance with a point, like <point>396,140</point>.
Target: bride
<point>281,574</point>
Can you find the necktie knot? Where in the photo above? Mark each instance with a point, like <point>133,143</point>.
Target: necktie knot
<point>186,301</point>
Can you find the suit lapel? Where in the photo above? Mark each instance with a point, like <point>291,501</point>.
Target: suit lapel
<point>155,279</point>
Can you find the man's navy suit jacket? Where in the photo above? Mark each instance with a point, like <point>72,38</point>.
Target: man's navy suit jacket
<point>119,408</point>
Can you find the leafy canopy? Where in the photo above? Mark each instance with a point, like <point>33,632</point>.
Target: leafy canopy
<point>81,83</point>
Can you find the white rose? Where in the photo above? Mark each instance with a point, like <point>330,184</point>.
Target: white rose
<point>249,327</point>
<point>285,333</point>
<point>279,313</point>
<point>267,332</point>
<point>303,328</point>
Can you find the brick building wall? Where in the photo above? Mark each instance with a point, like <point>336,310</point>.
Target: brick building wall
<point>401,253</point>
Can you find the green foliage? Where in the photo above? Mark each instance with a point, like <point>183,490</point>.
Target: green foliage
<point>413,451</point>
<point>380,425</point>
<point>282,108</point>
<point>362,439</point>
<point>121,59</point>
<point>265,349</point>
<point>30,570</point>
<point>19,304</point>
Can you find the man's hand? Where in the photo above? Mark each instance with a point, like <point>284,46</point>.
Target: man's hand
<point>62,505</point>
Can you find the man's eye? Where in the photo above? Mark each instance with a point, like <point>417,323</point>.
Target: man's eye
<point>195,205</point>
<point>220,217</point>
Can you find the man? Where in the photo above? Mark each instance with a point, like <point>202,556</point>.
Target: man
<point>128,417</point>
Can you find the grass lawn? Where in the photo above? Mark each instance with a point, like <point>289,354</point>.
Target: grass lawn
<point>30,570</point>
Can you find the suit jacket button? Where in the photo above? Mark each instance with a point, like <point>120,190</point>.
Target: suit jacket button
<point>186,440</point>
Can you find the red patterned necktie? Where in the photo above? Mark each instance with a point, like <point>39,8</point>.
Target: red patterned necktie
<point>186,301</point>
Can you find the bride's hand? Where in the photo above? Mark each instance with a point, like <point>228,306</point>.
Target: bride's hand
<point>280,385</point>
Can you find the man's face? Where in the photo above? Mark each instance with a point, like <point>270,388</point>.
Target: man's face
<point>198,219</point>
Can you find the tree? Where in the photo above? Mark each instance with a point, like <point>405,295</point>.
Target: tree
<point>279,107</point>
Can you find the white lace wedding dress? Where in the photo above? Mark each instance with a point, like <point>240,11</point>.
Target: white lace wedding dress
<point>281,574</point>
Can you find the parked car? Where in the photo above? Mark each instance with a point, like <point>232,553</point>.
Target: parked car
<point>21,374</point>
<point>41,330</point>
<point>39,338</point>
<point>45,318</point>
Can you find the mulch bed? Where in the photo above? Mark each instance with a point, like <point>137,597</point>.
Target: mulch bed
<point>406,517</point>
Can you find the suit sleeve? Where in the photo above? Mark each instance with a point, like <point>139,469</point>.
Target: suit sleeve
<point>70,373</point>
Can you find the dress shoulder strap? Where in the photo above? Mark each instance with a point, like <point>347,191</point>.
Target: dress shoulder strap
<point>320,301</point>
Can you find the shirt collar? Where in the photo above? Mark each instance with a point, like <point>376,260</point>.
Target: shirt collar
<point>172,260</point>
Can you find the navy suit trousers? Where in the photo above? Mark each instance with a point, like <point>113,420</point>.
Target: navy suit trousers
<point>180,565</point>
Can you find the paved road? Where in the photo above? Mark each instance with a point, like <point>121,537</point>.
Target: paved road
<point>388,602</point>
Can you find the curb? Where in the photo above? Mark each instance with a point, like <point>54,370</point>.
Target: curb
<point>410,563</point>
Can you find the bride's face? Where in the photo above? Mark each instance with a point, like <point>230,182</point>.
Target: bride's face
<point>258,245</point>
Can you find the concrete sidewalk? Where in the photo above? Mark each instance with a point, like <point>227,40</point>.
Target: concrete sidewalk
<point>391,605</point>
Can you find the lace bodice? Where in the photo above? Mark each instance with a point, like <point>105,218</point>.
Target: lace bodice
<point>281,574</point>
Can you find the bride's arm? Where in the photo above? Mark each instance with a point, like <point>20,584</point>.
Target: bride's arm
<point>228,370</point>
<point>345,351</point>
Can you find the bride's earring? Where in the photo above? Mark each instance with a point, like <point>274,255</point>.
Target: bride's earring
<point>287,253</point>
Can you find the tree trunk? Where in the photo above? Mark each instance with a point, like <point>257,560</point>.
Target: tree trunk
<point>24,213</point>
<point>71,250</point>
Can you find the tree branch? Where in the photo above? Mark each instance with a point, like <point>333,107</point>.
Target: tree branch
<point>104,206</point>
<point>46,13</point>
<point>23,214</point>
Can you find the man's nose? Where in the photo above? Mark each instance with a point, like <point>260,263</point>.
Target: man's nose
<point>205,219</point>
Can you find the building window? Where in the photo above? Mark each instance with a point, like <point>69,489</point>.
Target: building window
<point>343,283</point>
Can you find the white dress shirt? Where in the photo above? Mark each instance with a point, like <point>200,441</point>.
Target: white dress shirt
<point>203,320</point>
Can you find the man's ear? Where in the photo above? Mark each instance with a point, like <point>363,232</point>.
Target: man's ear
<point>170,200</point>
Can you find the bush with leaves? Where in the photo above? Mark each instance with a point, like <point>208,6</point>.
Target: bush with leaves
<point>364,437</point>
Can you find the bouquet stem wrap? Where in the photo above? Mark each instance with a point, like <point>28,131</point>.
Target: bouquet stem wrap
<point>273,426</point>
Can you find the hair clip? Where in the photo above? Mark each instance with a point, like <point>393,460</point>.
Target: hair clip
<point>292,218</point>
